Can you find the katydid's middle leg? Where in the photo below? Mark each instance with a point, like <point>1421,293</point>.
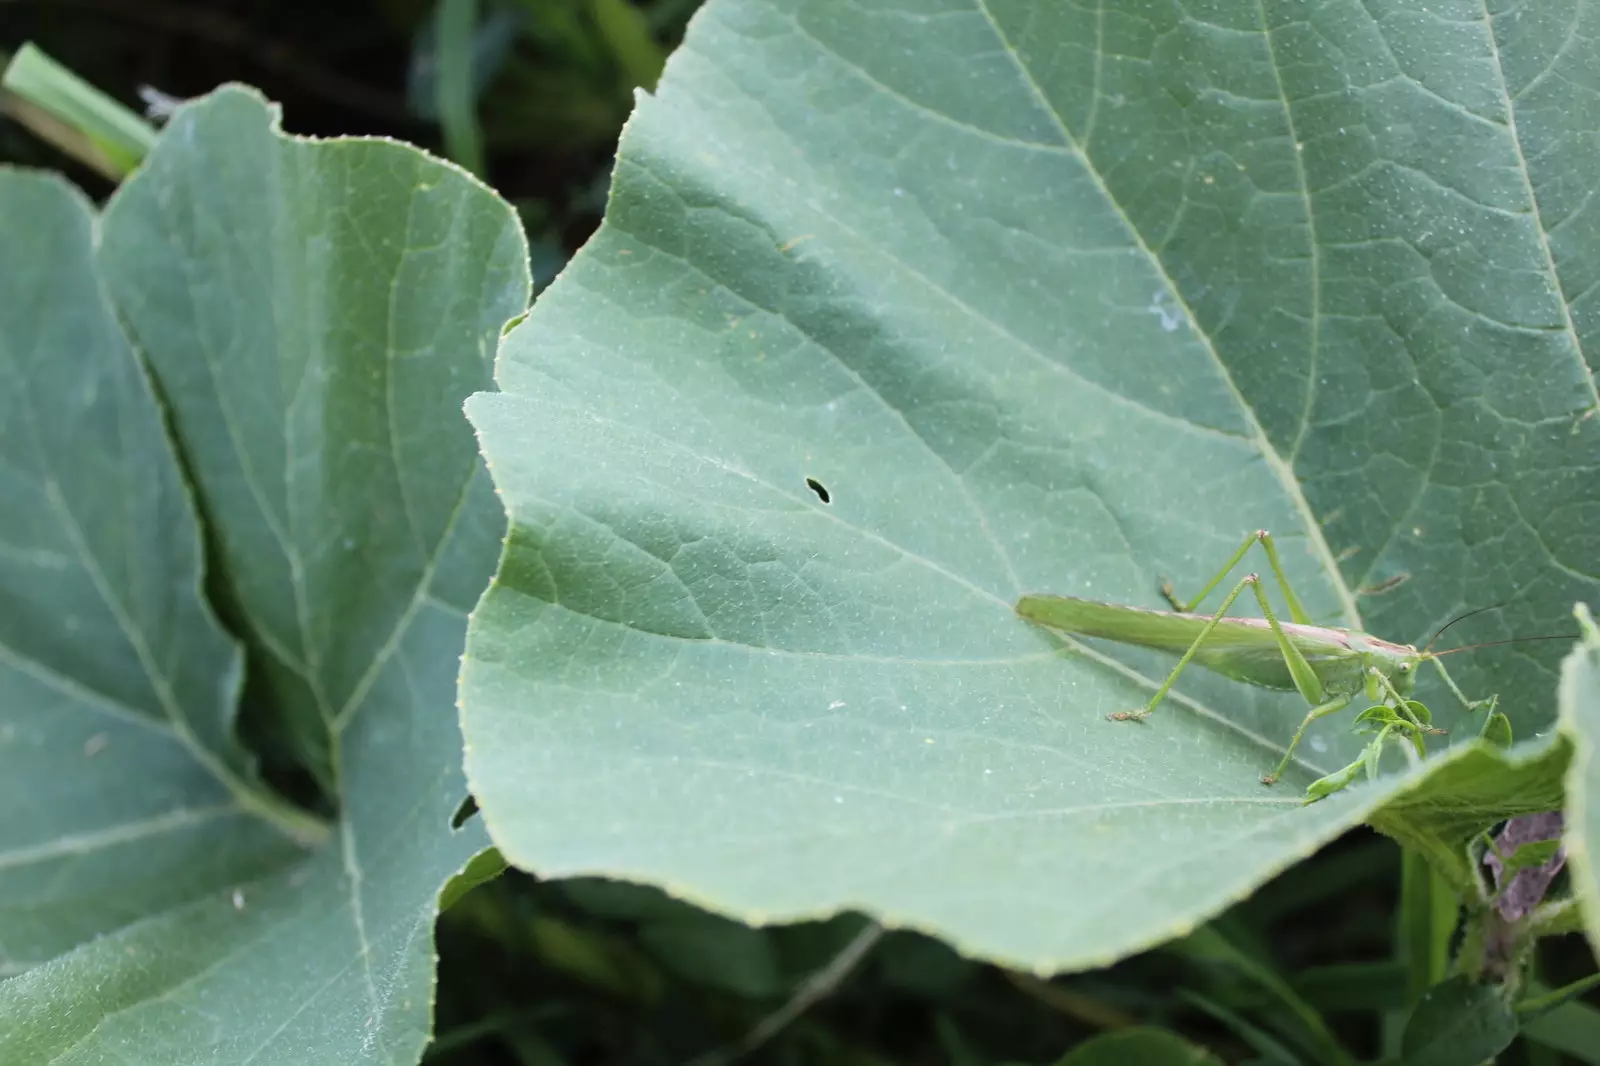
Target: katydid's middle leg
<point>1297,613</point>
<point>1305,678</point>
<point>1141,715</point>
<point>1306,683</point>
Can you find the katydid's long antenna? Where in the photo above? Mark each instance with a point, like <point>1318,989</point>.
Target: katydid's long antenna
<point>1458,618</point>
<point>1493,643</point>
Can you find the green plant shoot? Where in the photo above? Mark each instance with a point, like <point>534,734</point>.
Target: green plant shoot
<point>1329,667</point>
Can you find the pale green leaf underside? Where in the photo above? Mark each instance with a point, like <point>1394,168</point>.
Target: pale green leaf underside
<point>1580,723</point>
<point>1047,298</point>
<point>124,788</point>
<point>313,313</point>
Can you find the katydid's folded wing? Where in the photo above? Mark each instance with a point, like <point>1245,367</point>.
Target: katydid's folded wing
<point>1240,648</point>
<point>1168,630</point>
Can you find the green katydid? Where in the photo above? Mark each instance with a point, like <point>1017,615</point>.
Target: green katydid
<point>1329,667</point>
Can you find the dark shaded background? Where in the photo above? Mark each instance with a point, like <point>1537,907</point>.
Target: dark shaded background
<point>557,84</point>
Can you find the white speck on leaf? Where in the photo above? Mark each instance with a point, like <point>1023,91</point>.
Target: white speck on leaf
<point>1171,317</point>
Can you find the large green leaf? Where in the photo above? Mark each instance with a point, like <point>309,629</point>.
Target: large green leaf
<point>1044,297</point>
<point>312,314</point>
<point>1580,722</point>
<point>1459,1021</point>
<point>1480,787</point>
<point>126,789</point>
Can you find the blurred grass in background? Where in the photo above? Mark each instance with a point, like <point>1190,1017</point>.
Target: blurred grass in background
<point>529,94</point>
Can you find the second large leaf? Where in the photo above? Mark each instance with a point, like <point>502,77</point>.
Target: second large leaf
<point>899,313</point>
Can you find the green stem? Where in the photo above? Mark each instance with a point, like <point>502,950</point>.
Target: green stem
<point>1550,1000</point>
<point>456,96</point>
<point>1427,918</point>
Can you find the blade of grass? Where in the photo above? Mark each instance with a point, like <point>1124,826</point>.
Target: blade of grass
<point>1075,1005</point>
<point>1261,1041</point>
<point>1546,1002</point>
<point>1572,1028</point>
<point>812,990</point>
<point>1210,944</point>
<point>1427,918</point>
<point>1354,986</point>
<point>1330,876</point>
<point>63,109</point>
<point>456,97</point>
<point>627,34</point>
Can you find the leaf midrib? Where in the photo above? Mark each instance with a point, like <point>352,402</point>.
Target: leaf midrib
<point>1280,469</point>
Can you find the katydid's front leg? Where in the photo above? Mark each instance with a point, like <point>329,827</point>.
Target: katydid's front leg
<point>1297,613</point>
<point>1378,684</point>
<point>1470,705</point>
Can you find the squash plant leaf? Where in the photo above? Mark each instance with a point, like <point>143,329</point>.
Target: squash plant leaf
<point>1580,722</point>
<point>310,315</point>
<point>898,313</point>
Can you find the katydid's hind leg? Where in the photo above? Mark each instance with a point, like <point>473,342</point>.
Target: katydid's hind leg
<point>1297,613</point>
<point>1141,715</point>
<point>1171,593</point>
<point>1333,706</point>
<point>1306,681</point>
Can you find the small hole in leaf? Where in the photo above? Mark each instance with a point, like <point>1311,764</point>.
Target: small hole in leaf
<point>820,489</point>
<point>464,813</point>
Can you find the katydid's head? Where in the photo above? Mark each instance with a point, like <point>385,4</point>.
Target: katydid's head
<point>1396,662</point>
<point>1406,661</point>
